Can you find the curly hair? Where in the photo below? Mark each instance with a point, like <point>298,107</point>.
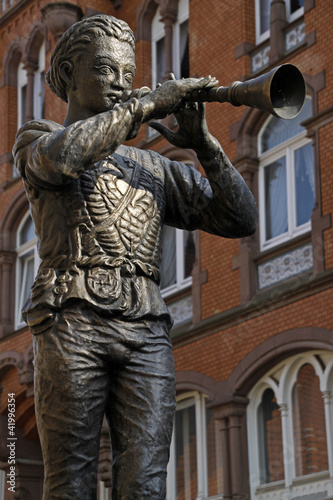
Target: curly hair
<point>73,43</point>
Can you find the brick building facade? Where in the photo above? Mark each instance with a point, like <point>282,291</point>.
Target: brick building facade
<point>253,325</point>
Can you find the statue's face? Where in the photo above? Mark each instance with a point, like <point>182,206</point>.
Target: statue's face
<point>100,77</point>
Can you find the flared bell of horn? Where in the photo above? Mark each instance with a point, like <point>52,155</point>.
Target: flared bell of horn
<point>281,92</point>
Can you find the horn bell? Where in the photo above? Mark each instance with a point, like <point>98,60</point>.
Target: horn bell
<point>280,92</point>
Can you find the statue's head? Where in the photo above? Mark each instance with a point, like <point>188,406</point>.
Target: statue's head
<point>72,46</point>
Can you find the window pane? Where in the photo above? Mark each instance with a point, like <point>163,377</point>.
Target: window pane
<point>309,424</point>
<point>265,6</point>
<point>305,188</point>
<point>160,60</point>
<point>270,439</point>
<point>278,131</point>
<point>27,232</point>
<point>184,51</point>
<point>276,198</point>
<point>186,454</point>
<point>189,252</point>
<point>295,5</point>
<point>27,275</point>
<point>168,263</point>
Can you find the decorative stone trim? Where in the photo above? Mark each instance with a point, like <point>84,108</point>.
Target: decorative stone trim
<point>260,59</point>
<point>285,266</point>
<point>182,310</point>
<point>60,16</point>
<point>295,37</point>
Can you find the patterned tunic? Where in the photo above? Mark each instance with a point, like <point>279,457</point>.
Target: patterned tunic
<point>99,227</point>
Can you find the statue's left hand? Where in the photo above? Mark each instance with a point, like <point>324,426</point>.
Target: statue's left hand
<point>192,132</point>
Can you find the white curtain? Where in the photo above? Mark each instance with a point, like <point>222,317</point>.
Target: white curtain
<point>305,184</point>
<point>168,264</point>
<point>276,199</point>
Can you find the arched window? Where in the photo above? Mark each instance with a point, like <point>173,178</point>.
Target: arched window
<point>309,423</point>
<point>27,265</point>
<point>179,49</point>
<point>289,419</point>
<point>194,462</point>
<point>286,179</point>
<point>22,85</point>
<point>24,97</point>
<point>294,9</point>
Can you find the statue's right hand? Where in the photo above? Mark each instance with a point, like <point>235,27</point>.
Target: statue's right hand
<point>169,97</point>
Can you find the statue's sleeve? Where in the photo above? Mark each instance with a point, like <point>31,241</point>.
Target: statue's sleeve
<point>47,154</point>
<point>219,203</point>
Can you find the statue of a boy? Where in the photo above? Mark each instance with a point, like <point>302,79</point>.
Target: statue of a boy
<point>101,329</point>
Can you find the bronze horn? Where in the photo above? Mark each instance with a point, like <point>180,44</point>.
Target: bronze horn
<point>281,92</point>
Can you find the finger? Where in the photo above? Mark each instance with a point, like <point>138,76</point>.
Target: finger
<point>144,91</point>
<point>163,130</point>
<point>209,81</point>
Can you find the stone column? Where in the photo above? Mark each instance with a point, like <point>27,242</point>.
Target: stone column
<point>234,444</point>
<point>277,25</point>
<point>225,458</point>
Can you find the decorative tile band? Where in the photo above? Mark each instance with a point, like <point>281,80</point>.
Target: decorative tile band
<point>260,59</point>
<point>181,310</point>
<point>285,266</point>
<point>295,37</point>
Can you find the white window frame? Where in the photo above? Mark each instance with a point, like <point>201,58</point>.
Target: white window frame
<point>262,37</point>
<point>23,250</point>
<point>158,33</point>
<point>286,149</point>
<point>185,401</point>
<point>181,282</point>
<point>103,492</point>
<point>281,379</point>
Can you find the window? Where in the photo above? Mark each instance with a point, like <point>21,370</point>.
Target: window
<point>286,179</point>
<point>294,9</point>
<point>178,256</point>
<point>27,265</point>
<point>179,49</point>
<point>39,85</point>
<point>193,466</point>
<point>270,439</point>
<point>309,423</point>
<point>289,426</point>
<point>22,84</point>
<point>38,90</point>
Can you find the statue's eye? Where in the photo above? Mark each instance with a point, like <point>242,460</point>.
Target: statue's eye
<point>106,70</point>
<point>129,77</point>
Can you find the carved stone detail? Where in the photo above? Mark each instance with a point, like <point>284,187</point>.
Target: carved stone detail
<point>60,16</point>
<point>285,266</point>
<point>295,37</point>
<point>182,310</point>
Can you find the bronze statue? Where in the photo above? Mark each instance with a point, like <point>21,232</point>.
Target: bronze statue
<point>100,327</point>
